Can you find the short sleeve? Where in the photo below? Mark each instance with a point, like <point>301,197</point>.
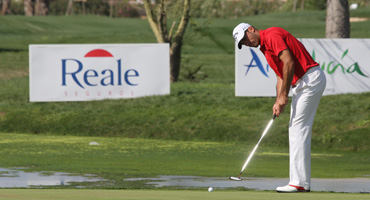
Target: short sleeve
<point>277,43</point>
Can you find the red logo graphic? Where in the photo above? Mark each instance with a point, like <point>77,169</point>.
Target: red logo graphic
<point>98,53</point>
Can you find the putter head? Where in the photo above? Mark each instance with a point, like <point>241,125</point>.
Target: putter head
<point>235,178</point>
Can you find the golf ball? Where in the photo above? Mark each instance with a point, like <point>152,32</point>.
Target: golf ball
<point>210,189</point>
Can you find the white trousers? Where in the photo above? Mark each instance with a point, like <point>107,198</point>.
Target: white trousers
<point>306,97</point>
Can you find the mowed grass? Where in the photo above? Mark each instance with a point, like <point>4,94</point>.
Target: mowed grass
<point>16,194</point>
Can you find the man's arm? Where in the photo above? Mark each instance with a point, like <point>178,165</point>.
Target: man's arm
<point>278,85</point>
<point>283,85</point>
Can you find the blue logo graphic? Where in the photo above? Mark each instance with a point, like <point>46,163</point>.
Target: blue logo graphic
<point>256,62</point>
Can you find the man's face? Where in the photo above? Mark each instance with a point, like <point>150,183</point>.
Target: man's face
<point>250,39</point>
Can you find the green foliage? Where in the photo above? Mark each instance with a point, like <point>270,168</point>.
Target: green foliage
<point>361,3</point>
<point>191,73</point>
<point>308,5</point>
<point>233,9</point>
<point>120,8</point>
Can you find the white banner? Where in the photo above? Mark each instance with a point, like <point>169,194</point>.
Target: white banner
<point>98,71</point>
<point>346,63</point>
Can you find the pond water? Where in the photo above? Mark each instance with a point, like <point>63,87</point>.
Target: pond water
<point>15,177</point>
<point>10,178</point>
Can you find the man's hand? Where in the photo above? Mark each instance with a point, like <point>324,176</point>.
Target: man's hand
<point>279,105</point>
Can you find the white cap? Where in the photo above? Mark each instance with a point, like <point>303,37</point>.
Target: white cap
<point>239,32</point>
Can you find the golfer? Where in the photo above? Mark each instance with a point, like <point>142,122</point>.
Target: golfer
<point>295,69</point>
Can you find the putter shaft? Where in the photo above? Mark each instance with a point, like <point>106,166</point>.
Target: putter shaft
<point>255,148</point>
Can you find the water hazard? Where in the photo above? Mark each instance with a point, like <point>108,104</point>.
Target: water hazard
<point>15,177</point>
<point>10,178</point>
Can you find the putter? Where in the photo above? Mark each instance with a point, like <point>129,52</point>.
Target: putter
<point>250,156</point>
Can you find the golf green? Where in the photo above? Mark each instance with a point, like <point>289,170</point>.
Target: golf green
<point>81,194</point>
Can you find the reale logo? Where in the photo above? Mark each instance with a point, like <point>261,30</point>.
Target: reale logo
<point>74,72</point>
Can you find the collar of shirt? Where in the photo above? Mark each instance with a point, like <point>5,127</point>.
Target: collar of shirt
<point>262,40</point>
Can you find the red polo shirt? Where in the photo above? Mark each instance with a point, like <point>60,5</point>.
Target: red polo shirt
<point>274,40</point>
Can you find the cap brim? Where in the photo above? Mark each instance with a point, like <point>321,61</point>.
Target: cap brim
<point>239,45</point>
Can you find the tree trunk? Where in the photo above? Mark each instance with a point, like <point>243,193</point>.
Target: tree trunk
<point>158,23</point>
<point>41,7</point>
<point>6,7</point>
<point>83,7</point>
<point>302,4</point>
<point>177,42</point>
<point>154,23</point>
<point>69,8</point>
<point>175,61</point>
<point>28,8</point>
<point>337,19</point>
<point>295,5</point>
<point>111,7</point>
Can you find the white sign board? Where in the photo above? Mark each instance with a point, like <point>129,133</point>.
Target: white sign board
<point>346,63</point>
<point>98,71</point>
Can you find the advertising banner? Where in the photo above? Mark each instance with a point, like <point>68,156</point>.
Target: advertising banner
<point>346,63</point>
<point>98,71</point>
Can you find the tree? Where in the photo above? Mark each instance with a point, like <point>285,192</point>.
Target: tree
<point>111,7</point>
<point>157,18</point>
<point>36,7</point>
<point>5,8</point>
<point>337,19</point>
<point>41,7</point>
<point>295,5</point>
<point>70,8</point>
<point>28,7</point>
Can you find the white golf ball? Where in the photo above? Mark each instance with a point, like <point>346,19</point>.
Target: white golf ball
<point>210,189</point>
